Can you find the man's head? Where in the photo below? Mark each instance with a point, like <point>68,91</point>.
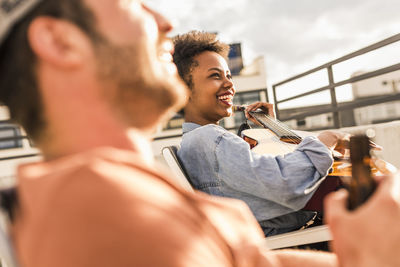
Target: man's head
<point>18,83</point>
<point>201,61</point>
<point>61,53</point>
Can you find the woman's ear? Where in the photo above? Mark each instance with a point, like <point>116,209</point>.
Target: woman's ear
<point>58,42</point>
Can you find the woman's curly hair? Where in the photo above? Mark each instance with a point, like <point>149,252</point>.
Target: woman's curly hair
<point>191,44</point>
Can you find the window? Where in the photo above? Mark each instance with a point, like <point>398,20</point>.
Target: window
<point>174,123</point>
<point>10,136</point>
<point>243,99</point>
<point>301,123</point>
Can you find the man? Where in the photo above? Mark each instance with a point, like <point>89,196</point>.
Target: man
<point>98,199</point>
<point>221,163</point>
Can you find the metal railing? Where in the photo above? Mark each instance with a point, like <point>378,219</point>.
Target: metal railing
<point>15,145</point>
<point>334,107</point>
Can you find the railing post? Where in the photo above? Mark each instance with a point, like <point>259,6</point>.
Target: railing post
<point>265,90</point>
<point>336,120</point>
<point>275,101</point>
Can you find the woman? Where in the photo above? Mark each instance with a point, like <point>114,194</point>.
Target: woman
<point>221,163</point>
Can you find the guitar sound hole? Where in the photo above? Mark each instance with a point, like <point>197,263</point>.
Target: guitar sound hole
<point>250,141</point>
<point>290,139</point>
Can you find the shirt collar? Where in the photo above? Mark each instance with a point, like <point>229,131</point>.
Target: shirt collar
<point>189,126</point>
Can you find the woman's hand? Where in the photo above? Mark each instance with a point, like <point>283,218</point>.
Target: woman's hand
<point>266,107</point>
<point>335,140</point>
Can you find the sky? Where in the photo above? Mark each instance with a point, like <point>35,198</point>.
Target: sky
<point>293,35</point>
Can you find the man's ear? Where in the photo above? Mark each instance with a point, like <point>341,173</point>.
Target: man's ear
<point>58,42</point>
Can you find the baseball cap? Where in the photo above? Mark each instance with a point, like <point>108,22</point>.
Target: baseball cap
<point>11,11</point>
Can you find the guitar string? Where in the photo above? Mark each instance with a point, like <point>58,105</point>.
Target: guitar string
<point>276,126</point>
<point>285,128</point>
<point>280,129</point>
<point>293,136</point>
<point>286,133</point>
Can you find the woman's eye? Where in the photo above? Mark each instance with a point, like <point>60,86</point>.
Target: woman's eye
<point>216,75</point>
<point>229,76</point>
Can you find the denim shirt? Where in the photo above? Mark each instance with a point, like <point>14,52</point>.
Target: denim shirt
<point>221,163</point>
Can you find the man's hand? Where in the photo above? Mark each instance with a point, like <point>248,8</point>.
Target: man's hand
<point>266,107</point>
<point>370,235</point>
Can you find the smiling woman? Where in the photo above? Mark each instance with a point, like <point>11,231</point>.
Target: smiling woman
<point>220,163</point>
<point>212,92</point>
<point>201,62</point>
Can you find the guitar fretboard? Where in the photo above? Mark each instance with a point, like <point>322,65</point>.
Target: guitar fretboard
<point>277,127</point>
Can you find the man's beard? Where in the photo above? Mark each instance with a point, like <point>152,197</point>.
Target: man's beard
<point>130,81</point>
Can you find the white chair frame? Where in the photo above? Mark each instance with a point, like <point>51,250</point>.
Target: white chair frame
<point>7,254</point>
<point>300,237</point>
<point>171,158</point>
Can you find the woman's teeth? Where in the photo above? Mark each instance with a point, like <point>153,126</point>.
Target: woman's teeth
<point>225,97</point>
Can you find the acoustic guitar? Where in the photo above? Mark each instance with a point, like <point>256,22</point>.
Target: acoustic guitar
<point>276,138</point>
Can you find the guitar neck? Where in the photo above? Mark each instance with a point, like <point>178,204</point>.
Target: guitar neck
<point>277,127</point>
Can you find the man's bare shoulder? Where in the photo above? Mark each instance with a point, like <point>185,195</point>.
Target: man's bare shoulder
<point>114,207</point>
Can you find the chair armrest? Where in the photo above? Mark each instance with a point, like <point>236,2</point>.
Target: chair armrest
<point>300,237</point>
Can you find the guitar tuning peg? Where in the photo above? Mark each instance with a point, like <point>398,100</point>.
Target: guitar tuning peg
<point>370,133</point>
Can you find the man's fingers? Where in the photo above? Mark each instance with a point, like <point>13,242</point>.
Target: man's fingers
<point>375,146</point>
<point>335,204</point>
<point>390,188</point>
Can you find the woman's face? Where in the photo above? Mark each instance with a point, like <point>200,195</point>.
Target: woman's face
<point>212,91</point>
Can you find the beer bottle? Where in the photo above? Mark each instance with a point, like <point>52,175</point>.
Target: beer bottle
<point>362,184</point>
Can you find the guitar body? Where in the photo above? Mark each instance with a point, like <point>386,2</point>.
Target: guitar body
<point>269,143</point>
<point>265,141</point>
<point>277,139</point>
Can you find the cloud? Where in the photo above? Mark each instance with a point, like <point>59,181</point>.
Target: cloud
<point>293,35</point>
